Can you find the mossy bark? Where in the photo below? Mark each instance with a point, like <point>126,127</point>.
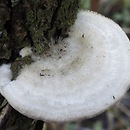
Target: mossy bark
<point>30,23</point>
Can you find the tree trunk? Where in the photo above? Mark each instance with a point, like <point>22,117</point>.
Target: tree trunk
<point>31,23</point>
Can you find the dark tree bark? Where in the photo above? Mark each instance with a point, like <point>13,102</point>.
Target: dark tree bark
<point>29,23</point>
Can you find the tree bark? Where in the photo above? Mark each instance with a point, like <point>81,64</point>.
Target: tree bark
<point>31,23</point>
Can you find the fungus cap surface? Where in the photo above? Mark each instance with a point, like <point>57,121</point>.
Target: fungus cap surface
<point>80,77</point>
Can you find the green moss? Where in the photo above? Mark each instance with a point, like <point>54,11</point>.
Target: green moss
<point>64,17</point>
<point>48,20</point>
<point>4,39</point>
<point>18,29</point>
<point>69,9</point>
<point>19,64</point>
<point>14,2</point>
<point>5,51</point>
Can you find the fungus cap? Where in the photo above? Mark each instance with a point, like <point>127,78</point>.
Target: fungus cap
<point>80,77</point>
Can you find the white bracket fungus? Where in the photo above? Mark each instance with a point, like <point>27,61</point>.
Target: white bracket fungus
<point>79,77</point>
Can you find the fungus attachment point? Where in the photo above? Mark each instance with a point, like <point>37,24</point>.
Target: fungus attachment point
<point>77,78</point>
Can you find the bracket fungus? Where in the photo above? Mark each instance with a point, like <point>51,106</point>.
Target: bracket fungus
<point>77,78</point>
